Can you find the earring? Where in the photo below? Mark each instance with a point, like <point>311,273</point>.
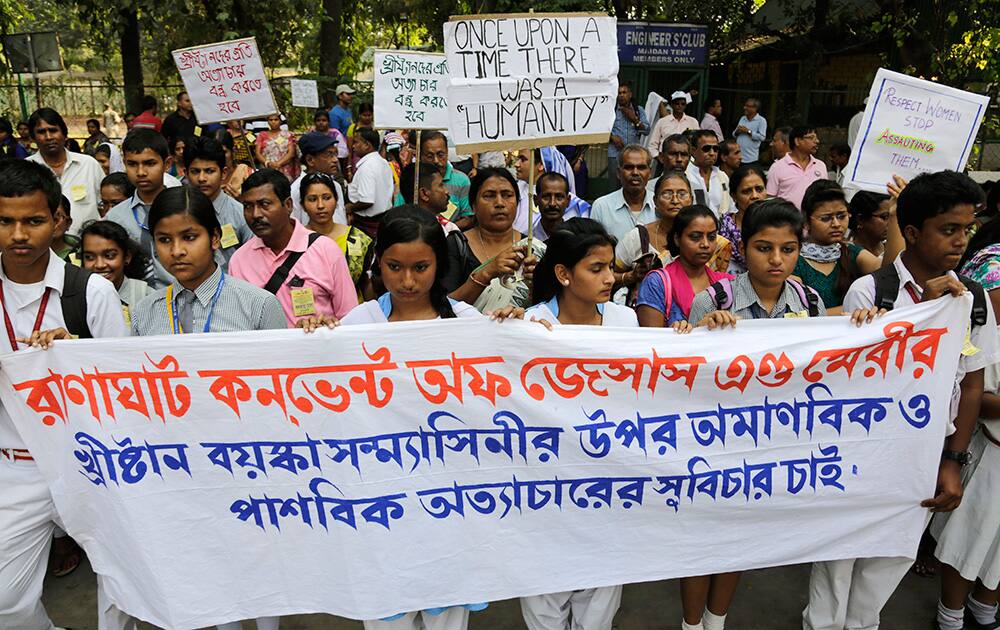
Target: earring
<point>565,283</point>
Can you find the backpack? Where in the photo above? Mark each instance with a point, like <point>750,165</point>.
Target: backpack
<point>887,290</point>
<point>722,295</point>
<point>74,301</point>
<point>668,293</point>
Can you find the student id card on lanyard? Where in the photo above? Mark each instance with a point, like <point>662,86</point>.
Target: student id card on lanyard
<point>38,318</point>
<point>172,312</point>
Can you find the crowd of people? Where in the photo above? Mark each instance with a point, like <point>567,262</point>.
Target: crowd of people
<point>248,226</point>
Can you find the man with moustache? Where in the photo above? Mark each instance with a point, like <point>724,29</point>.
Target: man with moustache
<point>320,154</point>
<point>632,204</point>
<point>674,157</point>
<point>554,203</point>
<point>79,175</point>
<point>307,273</point>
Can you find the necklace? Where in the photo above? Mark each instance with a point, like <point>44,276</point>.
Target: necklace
<point>479,233</point>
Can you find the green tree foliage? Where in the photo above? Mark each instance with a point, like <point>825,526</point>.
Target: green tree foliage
<point>958,46</point>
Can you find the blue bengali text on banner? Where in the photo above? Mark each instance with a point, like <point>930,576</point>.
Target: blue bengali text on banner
<point>372,470</point>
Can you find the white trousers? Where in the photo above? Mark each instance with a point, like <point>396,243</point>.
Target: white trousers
<point>454,618</point>
<point>850,594</point>
<point>109,617</point>
<point>263,623</point>
<point>27,517</point>
<point>586,609</point>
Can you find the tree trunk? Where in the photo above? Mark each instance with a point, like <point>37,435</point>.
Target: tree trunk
<point>329,39</point>
<point>813,52</point>
<point>131,61</point>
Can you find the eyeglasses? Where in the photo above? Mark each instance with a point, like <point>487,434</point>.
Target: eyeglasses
<point>828,218</point>
<point>811,136</point>
<point>710,147</point>
<point>679,195</point>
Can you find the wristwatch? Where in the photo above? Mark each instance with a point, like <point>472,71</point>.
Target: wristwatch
<point>962,457</point>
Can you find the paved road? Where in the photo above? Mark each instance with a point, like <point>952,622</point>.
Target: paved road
<point>769,599</point>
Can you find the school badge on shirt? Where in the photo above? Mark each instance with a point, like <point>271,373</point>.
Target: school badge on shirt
<point>229,238</point>
<point>302,302</point>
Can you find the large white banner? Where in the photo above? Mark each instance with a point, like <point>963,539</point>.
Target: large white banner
<point>913,126</point>
<point>225,81</point>
<point>410,90</point>
<point>531,79</point>
<point>371,470</point>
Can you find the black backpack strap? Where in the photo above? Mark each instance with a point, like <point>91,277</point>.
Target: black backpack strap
<point>74,301</point>
<point>281,273</point>
<point>721,294</point>
<point>886,287</point>
<point>978,300</point>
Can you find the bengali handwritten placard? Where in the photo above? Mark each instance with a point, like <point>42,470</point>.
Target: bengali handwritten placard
<point>225,80</point>
<point>913,126</point>
<point>305,93</point>
<point>410,90</point>
<point>371,470</point>
<point>531,80</point>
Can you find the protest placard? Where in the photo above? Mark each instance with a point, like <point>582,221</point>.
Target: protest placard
<point>304,93</point>
<point>371,470</point>
<point>225,81</point>
<point>531,80</point>
<point>912,126</point>
<point>410,90</point>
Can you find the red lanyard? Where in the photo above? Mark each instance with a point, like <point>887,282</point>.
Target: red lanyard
<point>913,293</point>
<point>38,318</point>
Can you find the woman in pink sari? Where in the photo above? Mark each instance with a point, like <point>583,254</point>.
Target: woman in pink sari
<point>276,148</point>
<point>666,294</point>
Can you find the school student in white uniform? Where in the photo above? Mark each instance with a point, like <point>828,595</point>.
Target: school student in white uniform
<point>968,539</point>
<point>412,253</point>
<point>42,300</point>
<point>572,285</point>
<point>936,213</point>
<point>203,297</point>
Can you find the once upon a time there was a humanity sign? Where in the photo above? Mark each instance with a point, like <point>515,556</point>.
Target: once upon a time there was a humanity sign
<point>531,80</point>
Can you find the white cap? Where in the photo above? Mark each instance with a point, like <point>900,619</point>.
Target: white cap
<point>678,95</point>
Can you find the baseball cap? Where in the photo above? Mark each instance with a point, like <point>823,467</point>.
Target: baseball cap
<point>343,88</point>
<point>678,96</point>
<point>315,142</point>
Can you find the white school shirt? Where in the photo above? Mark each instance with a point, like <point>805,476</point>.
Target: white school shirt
<point>132,291</point>
<point>717,195</point>
<point>372,184</point>
<point>612,314</point>
<point>81,184</point>
<point>169,181</point>
<point>985,337</point>
<point>22,301</point>
<point>378,311</point>
<point>299,213</point>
